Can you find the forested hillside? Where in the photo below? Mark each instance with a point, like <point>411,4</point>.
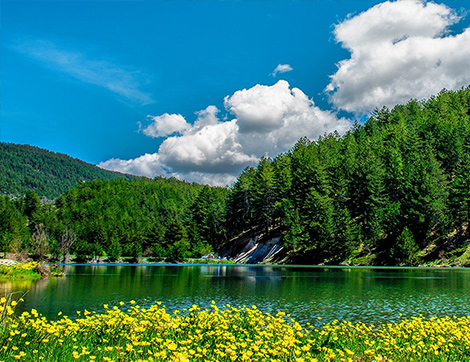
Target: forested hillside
<point>164,218</point>
<point>49,174</point>
<point>395,190</point>
<point>161,218</point>
<point>392,191</point>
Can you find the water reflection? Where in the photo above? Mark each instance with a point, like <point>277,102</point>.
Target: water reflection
<point>373,295</point>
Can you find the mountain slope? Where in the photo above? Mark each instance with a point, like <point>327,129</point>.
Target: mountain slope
<point>392,191</point>
<point>24,168</point>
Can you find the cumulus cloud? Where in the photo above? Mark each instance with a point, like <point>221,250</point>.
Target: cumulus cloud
<point>165,125</point>
<point>261,108</point>
<point>213,149</point>
<point>206,117</point>
<point>399,50</point>
<point>146,165</point>
<point>267,120</point>
<point>281,68</point>
<point>272,118</point>
<point>215,179</point>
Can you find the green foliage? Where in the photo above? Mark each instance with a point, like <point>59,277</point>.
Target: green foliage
<point>26,168</point>
<point>31,204</point>
<point>389,190</point>
<point>405,248</point>
<point>394,185</point>
<point>176,241</point>
<point>239,205</point>
<point>27,271</point>
<point>117,218</point>
<point>13,226</point>
<point>114,251</point>
<point>206,220</point>
<point>131,218</point>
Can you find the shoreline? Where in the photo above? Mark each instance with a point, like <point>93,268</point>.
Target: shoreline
<point>9,262</point>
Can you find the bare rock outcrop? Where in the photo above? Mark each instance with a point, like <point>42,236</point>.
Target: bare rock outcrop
<point>255,249</point>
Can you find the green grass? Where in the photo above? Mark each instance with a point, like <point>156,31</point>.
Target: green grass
<point>19,271</point>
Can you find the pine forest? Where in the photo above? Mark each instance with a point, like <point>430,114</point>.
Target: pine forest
<point>394,190</point>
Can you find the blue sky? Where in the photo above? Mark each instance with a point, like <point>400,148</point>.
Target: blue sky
<point>190,88</point>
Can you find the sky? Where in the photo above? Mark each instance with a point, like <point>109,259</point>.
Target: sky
<point>201,89</point>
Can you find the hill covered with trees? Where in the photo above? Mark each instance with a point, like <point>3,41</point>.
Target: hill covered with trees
<point>392,191</point>
<point>162,218</point>
<point>395,190</point>
<point>26,168</point>
<point>165,218</point>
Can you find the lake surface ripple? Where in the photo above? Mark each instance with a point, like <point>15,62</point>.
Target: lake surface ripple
<point>372,295</point>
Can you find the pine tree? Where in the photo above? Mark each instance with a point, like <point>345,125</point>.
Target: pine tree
<point>13,230</point>
<point>239,209</point>
<point>459,197</point>
<point>405,248</point>
<point>263,196</point>
<point>176,241</point>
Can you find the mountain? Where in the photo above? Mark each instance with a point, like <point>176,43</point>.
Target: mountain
<point>26,168</point>
<point>392,191</point>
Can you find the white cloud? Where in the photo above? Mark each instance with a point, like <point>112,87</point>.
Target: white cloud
<point>213,149</point>
<point>272,118</point>
<point>399,50</point>
<point>281,68</point>
<point>261,108</point>
<point>214,179</point>
<point>146,165</point>
<point>165,125</point>
<point>206,117</point>
<point>268,120</point>
<point>123,81</point>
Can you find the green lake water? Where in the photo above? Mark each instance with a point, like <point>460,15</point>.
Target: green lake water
<point>373,295</point>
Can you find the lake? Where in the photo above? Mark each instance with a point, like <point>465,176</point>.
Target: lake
<point>368,294</point>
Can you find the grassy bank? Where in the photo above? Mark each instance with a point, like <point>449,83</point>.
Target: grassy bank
<point>131,333</point>
<point>19,271</point>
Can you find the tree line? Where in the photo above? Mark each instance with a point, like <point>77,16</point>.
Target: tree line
<point>393,190</point>
<point>160,218</point>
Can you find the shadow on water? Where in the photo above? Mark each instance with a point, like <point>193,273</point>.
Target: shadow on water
<point>373,295</point>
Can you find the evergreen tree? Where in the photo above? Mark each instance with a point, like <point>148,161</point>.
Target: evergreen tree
<point>405,248</point>
<point>239,214</point>
<point>459,197</point>
<point>13,230</point>
<point>263,196</point>
<point>176,241</point>
<point>282,189</point>
<point>32,204</point>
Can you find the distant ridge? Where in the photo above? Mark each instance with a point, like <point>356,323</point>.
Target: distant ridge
<point>26,168</point>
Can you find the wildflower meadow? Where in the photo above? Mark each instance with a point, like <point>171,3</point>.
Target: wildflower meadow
<point>129,332</point>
